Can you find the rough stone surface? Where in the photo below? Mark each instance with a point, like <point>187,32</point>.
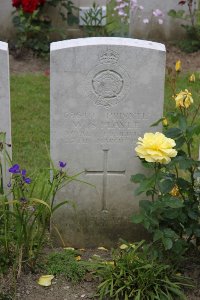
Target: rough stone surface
<point>5,121</point>
<point>105,92</point>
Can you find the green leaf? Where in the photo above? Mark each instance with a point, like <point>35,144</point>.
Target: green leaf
<point>167,242</point>
<point>169,233</point>
<point>172,13</point>
<point>182,183</point>
<point>157,235</point>
<point>166,186</point>
<point>39,201</point>
<point>171,213</point>
<point>185,163</point>
<point>193,215</point>
<point>145,185</point>
<point>136,219</point>
<point>137,178</point>
<point>59,205</point>
<point>174,202</point>
<point>145,204</point>
<point>180,141</point>
<point>173,133</point>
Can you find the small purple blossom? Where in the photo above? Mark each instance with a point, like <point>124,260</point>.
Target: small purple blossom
<point>23,200</point>
<point>23,172</point>
<point>62,164</point>
<point>9,184</point>
<point>158,13</point>
<point>27,180</point>
<point>15,169</point>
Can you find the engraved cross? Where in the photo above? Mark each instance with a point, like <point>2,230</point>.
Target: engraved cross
<point>105,172</point>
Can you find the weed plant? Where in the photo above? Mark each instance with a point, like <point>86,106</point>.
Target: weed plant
<point>135,274</point>
<point>65,263</point>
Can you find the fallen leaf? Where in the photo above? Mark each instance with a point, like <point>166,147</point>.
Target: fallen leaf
<point>102,248</point>
<point>69,248</point>
<point>45,280</point>
<point>123,246</point>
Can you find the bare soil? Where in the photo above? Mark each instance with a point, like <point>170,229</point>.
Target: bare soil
<point>27,288</point>
<point>30,64</point>
<point>61,289</point>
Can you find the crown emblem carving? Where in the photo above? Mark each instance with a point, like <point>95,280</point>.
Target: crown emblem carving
<point>109,57</point>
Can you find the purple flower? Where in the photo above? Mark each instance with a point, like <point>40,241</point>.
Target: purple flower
<point>27,180</point>
<point>23,200</point>
<point>23,172</point>
<point>15,169</point>
<point>9,184</point>
<point>158,13</point>
<point>62,164</point>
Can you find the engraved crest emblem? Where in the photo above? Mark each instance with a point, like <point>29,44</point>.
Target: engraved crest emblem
<point>108,83</point>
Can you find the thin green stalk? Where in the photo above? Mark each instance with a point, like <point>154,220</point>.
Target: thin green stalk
<point>156,168</point>
<point>195,114</point>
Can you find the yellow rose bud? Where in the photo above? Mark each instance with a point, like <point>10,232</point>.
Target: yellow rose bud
<point>175,191</point>
<point>165,122</point>
<point>192,78</point>
<point>178,66</point>
<point>156,147</point>
<point>184,99</point>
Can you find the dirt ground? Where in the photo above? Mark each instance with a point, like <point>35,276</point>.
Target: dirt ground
<point>27,287</point>
<point>29,63</point>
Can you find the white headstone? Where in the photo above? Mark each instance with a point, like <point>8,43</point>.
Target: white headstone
<point>105,92</point>
<point>5,121</point>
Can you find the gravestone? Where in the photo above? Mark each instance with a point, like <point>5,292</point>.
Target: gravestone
<point>105,93</point>
<point>5,121</point>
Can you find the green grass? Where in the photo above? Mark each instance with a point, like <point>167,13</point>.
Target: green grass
<point>30,117</point>
<point>30,120</point>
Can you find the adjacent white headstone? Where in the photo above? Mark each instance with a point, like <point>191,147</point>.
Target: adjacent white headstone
<point>105,92</point>
<point>5,121</point>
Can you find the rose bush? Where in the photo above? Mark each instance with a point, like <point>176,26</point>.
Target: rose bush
<point>34,26</point>
<point>172,217</point>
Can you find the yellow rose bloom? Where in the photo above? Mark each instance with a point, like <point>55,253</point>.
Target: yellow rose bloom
<point>156,147</point>
<point>192,78</point>
<point>175,191</point>
<point>165,122</point>
<point>184,99</point>
<point>178,66</point>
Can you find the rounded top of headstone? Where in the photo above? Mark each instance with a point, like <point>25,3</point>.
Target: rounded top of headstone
<point>107,41</point>
<point>3,46</point>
